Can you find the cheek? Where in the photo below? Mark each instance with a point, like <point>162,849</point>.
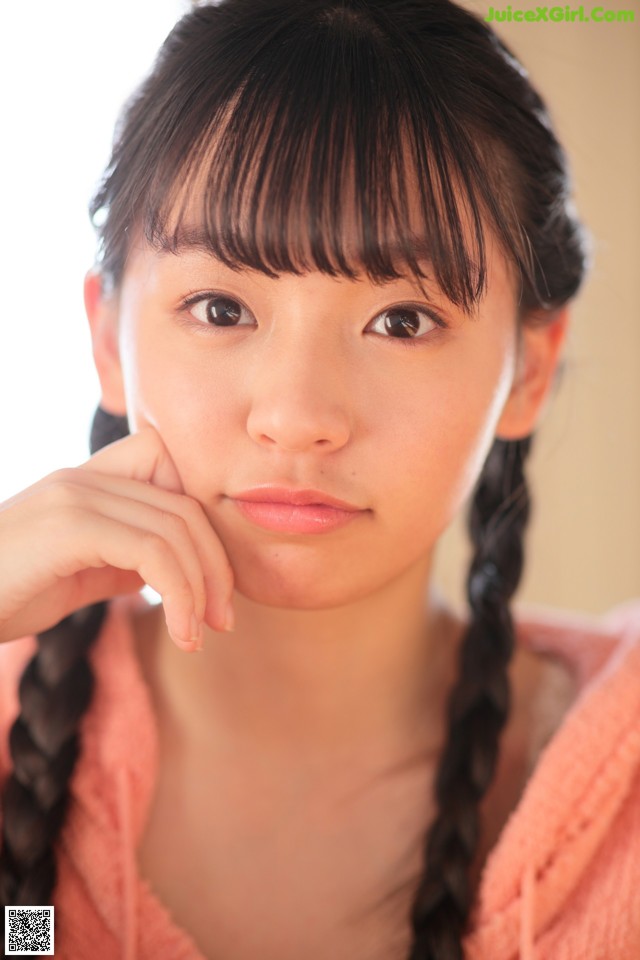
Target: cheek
<point>191,409</point>
<point>440,434</point>
<point>419,445</point>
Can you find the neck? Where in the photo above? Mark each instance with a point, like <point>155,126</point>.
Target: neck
<point>312,686</point>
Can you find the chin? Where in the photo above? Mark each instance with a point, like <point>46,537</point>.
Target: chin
<point>286,576</point>
<point>295,592</point>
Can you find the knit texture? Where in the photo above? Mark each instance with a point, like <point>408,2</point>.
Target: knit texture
<point>562,883</point>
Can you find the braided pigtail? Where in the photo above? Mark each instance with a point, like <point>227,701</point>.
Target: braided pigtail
<point>56,689</point>
<point>479,703</point>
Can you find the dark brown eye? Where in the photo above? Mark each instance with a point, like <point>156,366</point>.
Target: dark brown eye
<point>223,311</point>
<point>403,322</point>
<point>219,311</point>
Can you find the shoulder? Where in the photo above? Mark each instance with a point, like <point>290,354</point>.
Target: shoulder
<point>14,657</point>
<point>574,657</point>
<point>580,644</point>
<point>596,747</point>
<point>108,658</point>
<point>567,865</point>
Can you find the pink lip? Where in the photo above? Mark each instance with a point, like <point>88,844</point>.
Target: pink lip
<point>300,498</point>
<point>294,511</point>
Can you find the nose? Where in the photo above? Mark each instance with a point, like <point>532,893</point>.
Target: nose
<point>299,394</point>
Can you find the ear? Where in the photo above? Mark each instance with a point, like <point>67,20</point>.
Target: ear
<point>542,339</point>
<point>102,313</point>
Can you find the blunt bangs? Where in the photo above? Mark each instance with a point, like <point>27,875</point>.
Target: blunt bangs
<point>304,141</point>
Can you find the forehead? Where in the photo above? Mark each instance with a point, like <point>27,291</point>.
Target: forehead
<point>286,193</point>
<point>384,240</point>
<point>192,237</point>
<point>303,148</point>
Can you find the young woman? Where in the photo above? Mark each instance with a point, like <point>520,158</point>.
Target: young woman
<point>336,253</point>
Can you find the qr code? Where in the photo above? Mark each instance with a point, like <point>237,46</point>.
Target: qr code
<point>28,931</point>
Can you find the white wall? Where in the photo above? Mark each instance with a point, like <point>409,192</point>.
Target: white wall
<point>64,71</point>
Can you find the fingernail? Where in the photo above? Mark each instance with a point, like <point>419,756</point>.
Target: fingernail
<point>229,619</point>
<point>196,632</point>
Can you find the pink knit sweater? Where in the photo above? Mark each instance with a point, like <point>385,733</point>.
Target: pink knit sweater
<point>562,883</point>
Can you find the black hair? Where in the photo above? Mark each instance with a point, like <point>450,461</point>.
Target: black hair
<point>285,117</point>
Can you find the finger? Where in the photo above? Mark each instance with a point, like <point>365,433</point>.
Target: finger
<point>166,523</point>
<point>57,602</point>
<point>99,541</point>
<point>95,585</point>
<point>140,456</point>
<point>214,574</point>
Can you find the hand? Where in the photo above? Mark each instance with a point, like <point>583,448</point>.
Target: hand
<point>107,527</point>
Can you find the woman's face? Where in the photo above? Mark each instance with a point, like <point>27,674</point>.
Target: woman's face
<point>303,381</point>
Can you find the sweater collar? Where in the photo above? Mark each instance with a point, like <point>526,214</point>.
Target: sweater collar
<point>579,784</point>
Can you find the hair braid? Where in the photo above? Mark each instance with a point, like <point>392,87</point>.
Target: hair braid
<point>56,689</point>
<point>479,703</point>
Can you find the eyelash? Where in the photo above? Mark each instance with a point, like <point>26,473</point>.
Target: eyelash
<point>441,325</point>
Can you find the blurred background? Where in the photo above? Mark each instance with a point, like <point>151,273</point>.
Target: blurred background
<point>583,546</point>
<point>65,71</point>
